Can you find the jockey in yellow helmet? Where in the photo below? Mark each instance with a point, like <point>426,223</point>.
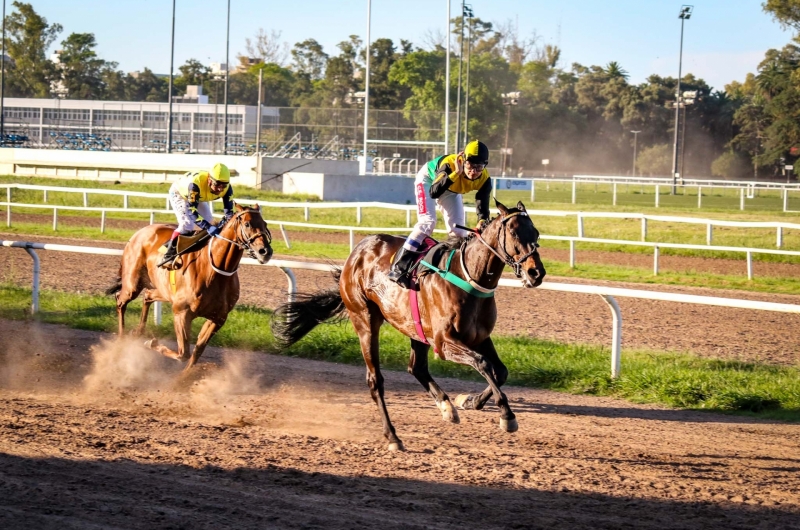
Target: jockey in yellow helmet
<point>190,197</point>
<point>442,182</point>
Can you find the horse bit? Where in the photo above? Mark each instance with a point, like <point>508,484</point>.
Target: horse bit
<point>246,243</point>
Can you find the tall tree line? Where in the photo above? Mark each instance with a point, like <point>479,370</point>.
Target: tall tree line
<point>579,117</point>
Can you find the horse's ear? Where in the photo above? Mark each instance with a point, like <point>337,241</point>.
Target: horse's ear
<point>521,207</point>
<point>257,207</point>
<point>239,207</point>
<point>500,206</point>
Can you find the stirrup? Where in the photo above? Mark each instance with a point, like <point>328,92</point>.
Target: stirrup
<point>171,262</point>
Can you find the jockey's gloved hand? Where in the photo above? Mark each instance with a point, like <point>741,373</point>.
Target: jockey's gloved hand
<point>212,230</point>
<point>481,224</point>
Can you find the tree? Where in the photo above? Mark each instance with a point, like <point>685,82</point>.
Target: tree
<point>267,48</point>
<point>146,86</point>
<point>309,59</point>
<point>730,165</point>
<point>80,69</point>
<point>655,160</point>
<point>614,70</point>
<point>28,37</point>
<point>786,12</point>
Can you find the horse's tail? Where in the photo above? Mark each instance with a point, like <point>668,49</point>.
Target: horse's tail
<point>293,320</point>
<point>115,287</point>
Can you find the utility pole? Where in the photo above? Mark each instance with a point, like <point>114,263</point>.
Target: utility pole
<point>685,14</point>
<point>470,14</point>
<point>458,97</point>
<point>258,116</point>
<point>3,82</point>
<point>227,75</point>
<point>512,98</point>
<point>169,90</point>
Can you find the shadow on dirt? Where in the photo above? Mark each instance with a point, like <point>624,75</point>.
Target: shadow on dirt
<point>61,493</point>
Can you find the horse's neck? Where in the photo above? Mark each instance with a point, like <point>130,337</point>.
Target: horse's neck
<point>482,264</point>
<point>226,256</point>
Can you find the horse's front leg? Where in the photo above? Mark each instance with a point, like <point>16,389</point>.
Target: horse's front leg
<point>471,401</point>
<point>418,367</point>
<point>208,330</point>
<point>459,352</point>
<point>183,327</point>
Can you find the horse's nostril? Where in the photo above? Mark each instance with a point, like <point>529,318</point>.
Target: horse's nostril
<point>262,251</point>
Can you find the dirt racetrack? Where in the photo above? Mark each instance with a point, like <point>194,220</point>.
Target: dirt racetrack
<point>98,433</point>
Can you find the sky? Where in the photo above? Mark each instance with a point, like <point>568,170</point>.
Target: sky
<point>723,40</point>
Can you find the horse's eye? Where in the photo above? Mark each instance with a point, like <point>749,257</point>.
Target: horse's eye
<point>247,225</point>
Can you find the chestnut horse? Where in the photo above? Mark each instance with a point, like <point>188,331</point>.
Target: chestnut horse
<point>455,322</point>
<point>207,285</point>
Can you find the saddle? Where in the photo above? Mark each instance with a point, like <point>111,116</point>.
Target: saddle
<point>182,246</point>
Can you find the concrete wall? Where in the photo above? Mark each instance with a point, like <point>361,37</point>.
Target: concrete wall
<point>399,190</point>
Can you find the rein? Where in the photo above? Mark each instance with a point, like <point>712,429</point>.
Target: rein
<point>245,244</point>
<point>507,259</point>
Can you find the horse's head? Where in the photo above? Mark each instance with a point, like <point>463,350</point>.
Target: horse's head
<point>517,241</point>
<point>249,230</point>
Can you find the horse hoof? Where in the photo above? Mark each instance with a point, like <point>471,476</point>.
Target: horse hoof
<point>461,399</point>
<point>396,446</point>
<point>509,425</point>
<point>151,344</point>
<point>449,413</point>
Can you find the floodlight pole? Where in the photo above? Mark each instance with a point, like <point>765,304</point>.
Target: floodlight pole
<point>227,75</point>
<point>685,13</point>
<point>3,81</point>
<point>466,90</point>
<point>258,116</point>
<point>366,85</point>
<point>169,90</point>
<point>447,86</point>
<point>635,133</point>
<point>460,68</point>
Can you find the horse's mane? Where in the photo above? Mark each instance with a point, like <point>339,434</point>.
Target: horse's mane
<point>453,242</point>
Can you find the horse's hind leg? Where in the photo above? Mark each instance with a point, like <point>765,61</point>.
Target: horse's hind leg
<point>368,324</point>
<point>418,367</point>
<point>470,401</point>
<point>147,301</point>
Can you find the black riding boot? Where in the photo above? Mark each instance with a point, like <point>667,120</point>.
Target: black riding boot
<point>401,266</point>
<point>172,251</point>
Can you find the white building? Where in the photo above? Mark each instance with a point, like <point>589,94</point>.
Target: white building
<point>135,126</point>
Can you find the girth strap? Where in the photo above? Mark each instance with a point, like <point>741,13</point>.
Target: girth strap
<point>455,280</point>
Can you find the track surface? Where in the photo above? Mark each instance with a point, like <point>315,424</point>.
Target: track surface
<point>97,433</point>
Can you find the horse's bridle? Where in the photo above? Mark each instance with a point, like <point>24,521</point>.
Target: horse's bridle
<point>241,241</point>
<point>508,259</point>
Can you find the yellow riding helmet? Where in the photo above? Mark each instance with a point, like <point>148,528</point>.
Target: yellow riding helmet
<point>477,152</point>
<point>220,173</point>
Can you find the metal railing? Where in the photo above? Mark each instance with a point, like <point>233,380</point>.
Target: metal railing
<point>607,293</point>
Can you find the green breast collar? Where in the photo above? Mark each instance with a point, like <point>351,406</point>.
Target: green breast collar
<point>455,280</point>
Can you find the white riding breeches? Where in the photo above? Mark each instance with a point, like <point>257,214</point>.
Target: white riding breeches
<point>186,221</point>
<point>450,203</point>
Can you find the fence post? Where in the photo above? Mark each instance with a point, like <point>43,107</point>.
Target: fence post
<point>157,313</point>
<point>285,237</point>
<point>780,237</point>
<point>533,190</point>
<point>574,191</point>
<point>408,218</point>
<point>709,235</point>
<point>616,335</point>
<point>125,201</point>
<point>152,217</point>
<point>306,214</point>
<point>749,265</point>
<point>8,208</point>
<point>655,261</point>
<point>352,240</point>
<point>103,222</point>
<point>55,219</point>
<point>580,225</point>
<point>657,194</point>
<point>45,195</point>
<point>494,188</point>
<point>615,194</point>
<point>571,253</point>
<point>699,196</point>
<point>741,198</point>
<point>358,215</point>
<point>85,200</point>
<point>644,228</point>
<point>35,288</point>
<point>785,199</point>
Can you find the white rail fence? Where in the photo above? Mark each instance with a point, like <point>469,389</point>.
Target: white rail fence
<point>607,293</point>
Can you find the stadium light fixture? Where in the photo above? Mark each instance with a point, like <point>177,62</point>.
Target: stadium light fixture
<point>684,14</point>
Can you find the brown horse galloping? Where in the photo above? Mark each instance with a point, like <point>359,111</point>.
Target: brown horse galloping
<point>207,285</point>
<point>455,322</point>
